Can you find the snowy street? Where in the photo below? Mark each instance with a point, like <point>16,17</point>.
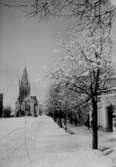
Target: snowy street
<point>39,142</point>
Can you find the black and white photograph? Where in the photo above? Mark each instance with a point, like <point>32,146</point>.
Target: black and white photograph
<point>57,83</point>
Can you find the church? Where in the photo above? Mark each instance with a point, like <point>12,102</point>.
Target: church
<point>26,104</point>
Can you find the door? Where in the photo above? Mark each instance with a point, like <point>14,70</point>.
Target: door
<point>110,118</point>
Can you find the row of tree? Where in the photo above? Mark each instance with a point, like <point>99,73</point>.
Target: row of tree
<point>81,77</point>
<point>86,66</point>
<point>62,105</point>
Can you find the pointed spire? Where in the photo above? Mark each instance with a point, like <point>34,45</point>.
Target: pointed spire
<point>24,85</point>
<point>24,80</point>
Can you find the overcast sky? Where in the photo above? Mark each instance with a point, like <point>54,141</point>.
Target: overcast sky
<point>24,41</point>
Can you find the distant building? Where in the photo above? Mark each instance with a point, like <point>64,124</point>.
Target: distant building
<point>1,104</point>
<point>26,104</point>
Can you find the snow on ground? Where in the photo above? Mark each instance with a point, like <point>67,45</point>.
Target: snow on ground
<point>39,142</point>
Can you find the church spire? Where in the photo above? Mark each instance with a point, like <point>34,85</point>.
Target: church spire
<point>24,85</point>
<point>24,79</point>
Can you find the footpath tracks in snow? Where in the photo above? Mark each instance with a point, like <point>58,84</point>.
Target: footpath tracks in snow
<point>26,140</point>
<point>11,139</point>
<point>41,143</point>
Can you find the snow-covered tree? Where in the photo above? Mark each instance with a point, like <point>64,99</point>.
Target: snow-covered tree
<point>54,102</point>
<point>89,14</point>
<point>62,104</point>
<point>86,69</point>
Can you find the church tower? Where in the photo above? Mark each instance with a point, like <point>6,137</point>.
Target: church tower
<point>24,86</point>
<point>25,104</point>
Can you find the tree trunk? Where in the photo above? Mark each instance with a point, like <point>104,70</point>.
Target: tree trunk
<point>60,121</point>
<point>94,125</point>
<point>65,120</point>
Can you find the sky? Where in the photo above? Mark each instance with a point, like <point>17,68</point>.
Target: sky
<point>27,42</point>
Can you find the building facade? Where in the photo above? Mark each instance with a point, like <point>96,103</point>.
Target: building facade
<point>106,107</point>
<point>26,104</point>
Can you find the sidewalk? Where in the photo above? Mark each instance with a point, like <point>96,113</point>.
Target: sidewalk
<point>106,140</point>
